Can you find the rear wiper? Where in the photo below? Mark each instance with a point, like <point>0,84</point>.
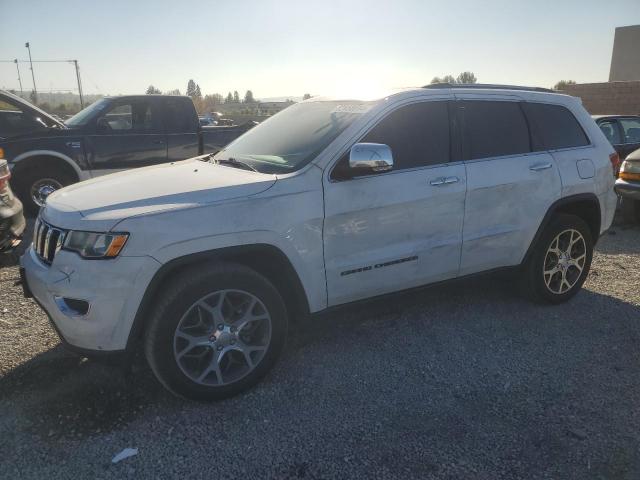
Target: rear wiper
<point>235,163</point>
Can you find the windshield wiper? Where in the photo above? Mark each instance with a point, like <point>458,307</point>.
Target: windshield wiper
<point>235,163</point>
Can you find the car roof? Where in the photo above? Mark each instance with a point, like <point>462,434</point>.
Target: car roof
<point>599,117</point>
<point>439,88</point>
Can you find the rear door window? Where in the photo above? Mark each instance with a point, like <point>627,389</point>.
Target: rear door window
<point>493,129</point>
<point>554,127</point>
<point>180,117</point>
<point>631,129</point>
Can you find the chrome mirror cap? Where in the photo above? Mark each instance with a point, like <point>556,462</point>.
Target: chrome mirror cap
<point>376,157</point>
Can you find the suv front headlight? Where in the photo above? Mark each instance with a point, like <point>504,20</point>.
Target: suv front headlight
<point>95,245</point>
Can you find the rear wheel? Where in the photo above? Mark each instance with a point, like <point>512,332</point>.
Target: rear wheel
<point>216,332</point>
<point>560,262</point>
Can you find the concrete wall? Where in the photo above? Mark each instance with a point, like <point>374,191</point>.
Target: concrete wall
<point>622,98</point>
<point>625,60</point>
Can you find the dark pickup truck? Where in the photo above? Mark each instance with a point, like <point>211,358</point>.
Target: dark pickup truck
<point>112,134</point>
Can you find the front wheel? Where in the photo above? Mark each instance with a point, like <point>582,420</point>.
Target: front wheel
<point>34,184</point>
<point>216,332</point>
<point>560,262</point>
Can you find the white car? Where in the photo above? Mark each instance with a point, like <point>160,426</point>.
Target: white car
<point>207,260</point>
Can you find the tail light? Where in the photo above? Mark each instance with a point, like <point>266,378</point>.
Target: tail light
<point>5,175</point>
<point>614,158</point>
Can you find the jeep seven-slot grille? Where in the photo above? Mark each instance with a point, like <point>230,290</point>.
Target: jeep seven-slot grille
<point>47,240</point>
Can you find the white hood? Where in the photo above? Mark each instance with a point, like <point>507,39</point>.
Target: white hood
<point>153,189</point>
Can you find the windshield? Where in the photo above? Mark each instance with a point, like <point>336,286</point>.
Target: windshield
<point>292,138</point>
<point>83,116</point>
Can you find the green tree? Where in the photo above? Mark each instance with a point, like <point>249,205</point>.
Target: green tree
<point>466,78</point>
<point>248,97</point>
<point>197,93</point>
<point>175,91</point>
<point>562,84</point>
<point>306,96</point>
<point>229,98</point>
<point>151,90</point>
<point>448,79</point>
<point>191,88</point>
<point>436,80</point>
<point>236,97</point>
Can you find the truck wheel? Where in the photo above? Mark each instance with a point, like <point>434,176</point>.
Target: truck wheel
<point>34,184</point>
<point>215,331</point>
<point>560,261</point>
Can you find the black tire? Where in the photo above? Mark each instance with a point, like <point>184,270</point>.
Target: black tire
<point>28,176</point>
<point>533,279</point>
<point>174,301</point>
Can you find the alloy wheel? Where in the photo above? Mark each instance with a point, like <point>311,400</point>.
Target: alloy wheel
<point>222,337</point>
<point>564,261</point>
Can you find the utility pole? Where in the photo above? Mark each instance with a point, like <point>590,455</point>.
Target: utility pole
<point>33,77</point>
<point>19,79</point>
<point>75,62</point>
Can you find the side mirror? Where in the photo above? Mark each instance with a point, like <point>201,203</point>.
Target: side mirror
<point>376,157</point>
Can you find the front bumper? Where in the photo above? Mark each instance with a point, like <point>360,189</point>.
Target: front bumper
<point>112,288</point>
<point>627,189</point>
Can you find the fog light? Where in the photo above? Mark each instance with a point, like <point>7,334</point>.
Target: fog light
<point>72,307</point>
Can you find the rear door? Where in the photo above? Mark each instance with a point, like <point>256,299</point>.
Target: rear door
<point>182,128</point>
<point>509,186</point>
<point>128,135</point>
<point>394,230</point>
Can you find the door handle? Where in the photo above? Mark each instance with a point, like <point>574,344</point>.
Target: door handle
<point>540,166</point>
<point>443,181</point>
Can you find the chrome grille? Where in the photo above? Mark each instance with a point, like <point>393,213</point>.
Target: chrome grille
<point>47,240</point>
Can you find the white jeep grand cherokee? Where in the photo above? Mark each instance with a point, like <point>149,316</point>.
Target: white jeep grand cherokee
<point>207,260</point>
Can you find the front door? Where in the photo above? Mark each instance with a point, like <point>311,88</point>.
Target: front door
<point>394,230</point>
<point>128,135</point>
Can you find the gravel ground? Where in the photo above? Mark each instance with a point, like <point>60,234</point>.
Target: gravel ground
<point>460,381</point>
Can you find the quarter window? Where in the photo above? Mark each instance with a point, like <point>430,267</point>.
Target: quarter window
<point>555,127</point>
<point>494,129</point>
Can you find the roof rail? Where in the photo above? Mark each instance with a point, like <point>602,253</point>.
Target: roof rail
<point>490,86</point>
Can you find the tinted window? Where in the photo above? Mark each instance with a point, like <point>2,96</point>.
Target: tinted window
<point>129,118</point>
<point>631,129</point>
<point>555,127</point>
<point>610,130</point>
<point>494,129</point>
<point>417,134</point>
<point>180,117</point>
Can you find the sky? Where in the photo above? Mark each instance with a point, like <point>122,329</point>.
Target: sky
<point>288,47</point>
